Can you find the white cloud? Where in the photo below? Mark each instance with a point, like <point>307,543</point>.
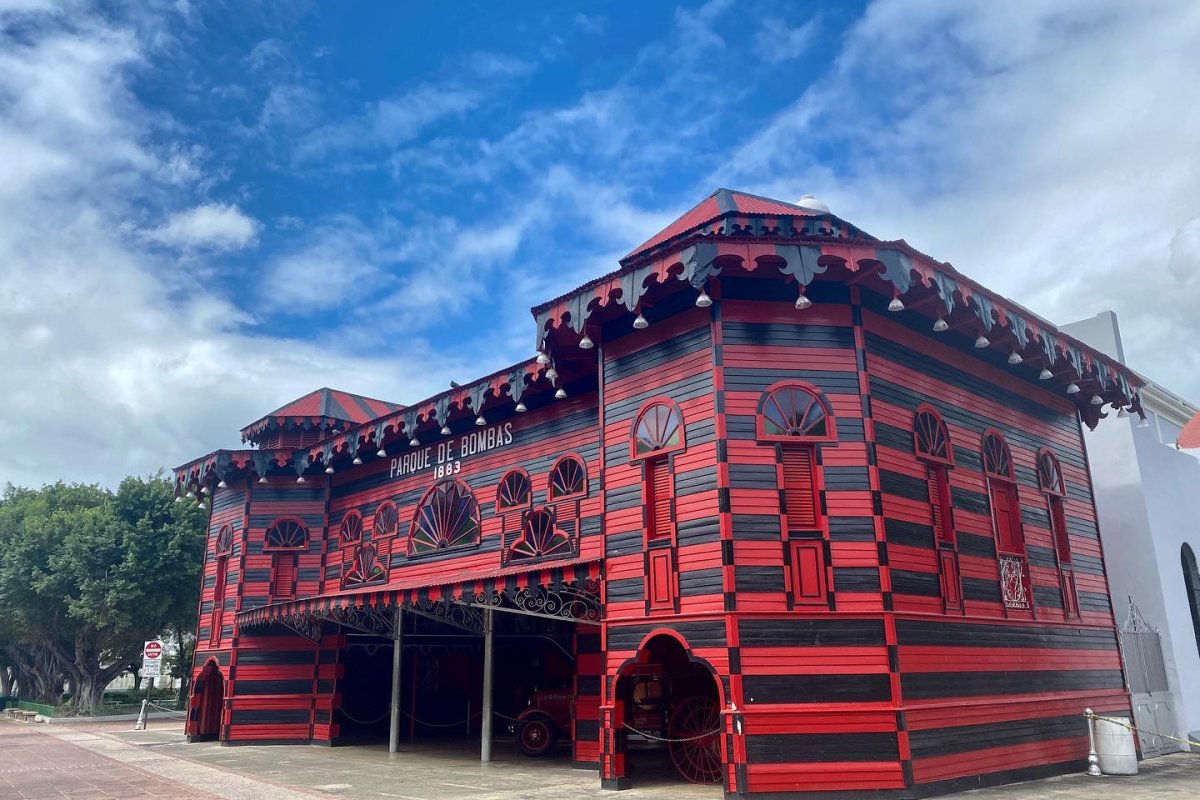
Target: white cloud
<point>213,226</point>
<point>1029,144</point>
<point>387,123</point>
<point>776,42</point>
<point>498,65</point>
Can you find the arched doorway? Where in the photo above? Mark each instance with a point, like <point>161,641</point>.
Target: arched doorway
<point>670,716</point>
<point>210,691</point>
<point>1191,582</point>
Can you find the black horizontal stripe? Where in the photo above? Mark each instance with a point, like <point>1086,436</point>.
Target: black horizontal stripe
<point>764,689</point>
<point>926,685</point>
<point>809,632</point>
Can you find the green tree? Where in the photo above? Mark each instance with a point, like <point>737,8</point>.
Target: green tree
<point>87,575</point>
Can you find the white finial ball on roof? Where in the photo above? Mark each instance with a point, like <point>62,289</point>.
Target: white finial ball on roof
<point>811,203</point>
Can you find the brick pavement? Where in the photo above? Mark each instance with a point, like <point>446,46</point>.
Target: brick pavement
<point>35,766</point>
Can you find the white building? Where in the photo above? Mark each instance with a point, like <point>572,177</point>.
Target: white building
<point>1148,501</point>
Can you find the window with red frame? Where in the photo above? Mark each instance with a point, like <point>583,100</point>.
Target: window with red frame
<point>931,443</point>
<point>1002,491</point>
<point>798,418</point>
<point>568,478</point>
<point>1054,489</point>
<point>285,538</point>
<point>657,431</point>
<point>218,612</point>
<point>1006,520</point>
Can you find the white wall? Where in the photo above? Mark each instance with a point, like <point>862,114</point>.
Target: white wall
<point>1171,487</point>
<point>1148,504</point>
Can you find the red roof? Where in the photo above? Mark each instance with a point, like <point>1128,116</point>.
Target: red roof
<point>719,203</point>
<point>327,404</point>
<point>1190,436</point>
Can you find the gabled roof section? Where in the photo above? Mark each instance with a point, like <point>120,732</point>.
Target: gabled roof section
<point>322,407</point>
<point>718,205</point>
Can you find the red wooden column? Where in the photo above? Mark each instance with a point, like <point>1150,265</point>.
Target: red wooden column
<point>733,745</point>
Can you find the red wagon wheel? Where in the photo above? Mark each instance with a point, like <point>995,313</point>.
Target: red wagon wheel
<point>696,743</point>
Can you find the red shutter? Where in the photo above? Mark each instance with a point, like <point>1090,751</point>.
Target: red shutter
<point>658,484</point>
<point>1058,524</point>
<point>808,571</point>
<point>939,503</point>
<point>218,614</point>
<point>951,584</point>
<point>662,579</point>
<point>799,490</point>
<point>284,585</point>
<point>1005,515</point>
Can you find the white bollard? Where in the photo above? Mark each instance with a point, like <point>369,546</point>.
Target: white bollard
<point>1093,760</point>
<point>141,720</point>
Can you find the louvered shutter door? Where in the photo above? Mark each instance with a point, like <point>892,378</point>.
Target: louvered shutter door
<point>939,504</point>
<point>285,576</point>
<point>798,491</point>
<point>660,498</point>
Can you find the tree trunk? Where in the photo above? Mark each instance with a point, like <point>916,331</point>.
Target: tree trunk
<point>38,673</point>
<point>5,682</point>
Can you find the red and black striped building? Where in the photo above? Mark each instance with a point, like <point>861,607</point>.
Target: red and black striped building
<point>810,501</point>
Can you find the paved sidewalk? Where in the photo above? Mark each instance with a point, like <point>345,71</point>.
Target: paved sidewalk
<point>44,763</point>
<point>105,761</point>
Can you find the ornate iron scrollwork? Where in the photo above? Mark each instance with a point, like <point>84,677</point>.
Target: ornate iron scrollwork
<point>576,601</point>
<point>307,625</point>
<point>1012,582</point>
<point>365,619</point>
<point>464,617</point>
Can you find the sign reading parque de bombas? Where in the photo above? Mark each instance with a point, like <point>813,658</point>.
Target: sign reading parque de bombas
<point>445,458</point>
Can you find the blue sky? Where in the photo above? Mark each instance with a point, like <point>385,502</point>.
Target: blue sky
<point>209,209</point>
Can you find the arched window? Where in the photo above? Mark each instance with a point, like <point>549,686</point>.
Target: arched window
<point>796,416</point>
<point>657,429</point>
<point>223,545</point>
<point>447,518</point>
<point>1006,522</point>
<point>931,439</point>
<point>386,521</point>
<point>1191,581</point>
<point>286,534</point>
<point>352,528</point>
<point>931,443</point>
<point>568,478</point>
<point>997,460</point>
<point>1050,474</point>
<point>1050,480</point>
<point>794,411</point>
<point>540,538</point>
<point>515,490</point>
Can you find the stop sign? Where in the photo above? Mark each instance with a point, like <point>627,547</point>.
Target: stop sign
<point>152,650</point>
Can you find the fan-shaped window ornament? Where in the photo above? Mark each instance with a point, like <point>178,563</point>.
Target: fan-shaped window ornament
<point>286,534</point>
<point>447,518</point>
<point>1050,474</point>
<point>365,566</point>
<point>794,412</point>
<point>514,491</point>
<point>997,461</point>
<point>224,542</point>
<point>658,428</point>
<point>387,520</point>
<point>540,539</point>
<point>568,478</point>
<point>930,436</point>
<point>352,528</point>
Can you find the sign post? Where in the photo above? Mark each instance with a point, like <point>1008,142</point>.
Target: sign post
<point>151,668</point>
